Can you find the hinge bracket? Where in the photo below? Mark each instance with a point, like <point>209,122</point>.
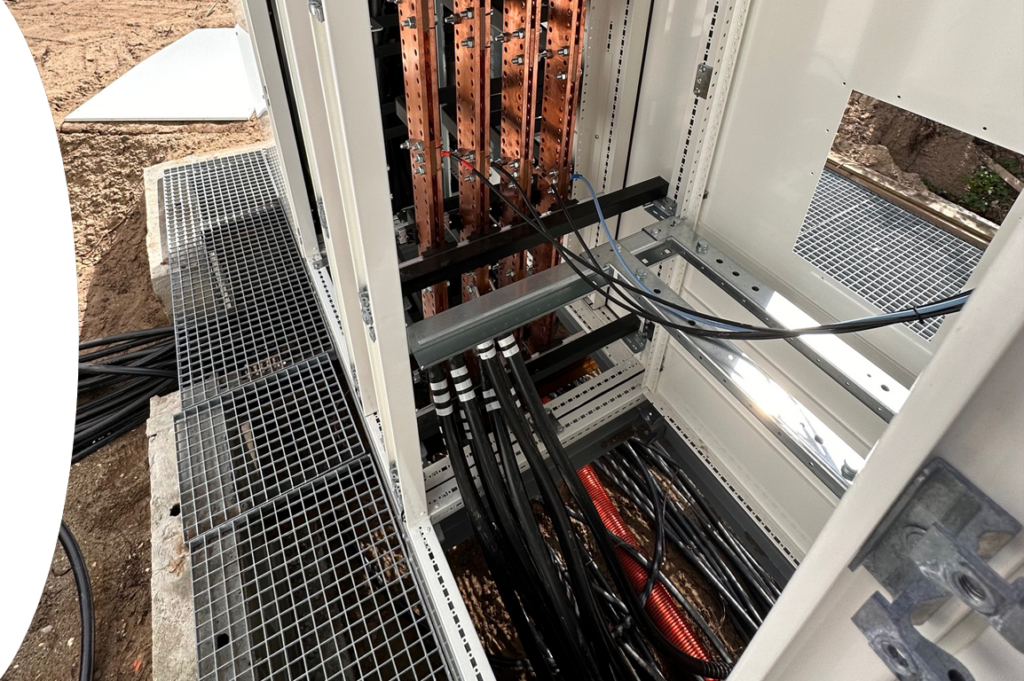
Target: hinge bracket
<point>933,544</point>
<point>702,81</point>
<point>364,306</point>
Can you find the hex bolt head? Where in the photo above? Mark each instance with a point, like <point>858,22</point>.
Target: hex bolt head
<point>702,247</point>
<point>409,23</point>
<point>518,60</point>
<point>468,42</point>
<point>519,33</point>
<point>696,91</point>
<point>563,51</point>
<point>510,273</point>
<point>453,19</point>
<point>561,75</point>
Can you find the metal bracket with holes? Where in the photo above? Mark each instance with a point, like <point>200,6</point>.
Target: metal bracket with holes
<point>933,544</point>
<point>702,81</point>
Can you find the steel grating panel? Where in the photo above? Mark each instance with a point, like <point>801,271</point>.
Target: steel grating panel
<point>241,449</point>
<point>313,585</point>
<point>242,300</point>
<point>882,252</point>
<point>218,189</point>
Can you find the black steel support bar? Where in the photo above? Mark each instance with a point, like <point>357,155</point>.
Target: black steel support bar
<point>419,273</point>
<point>548,364</point>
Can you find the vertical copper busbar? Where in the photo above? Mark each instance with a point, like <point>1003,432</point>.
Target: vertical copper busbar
<point>419,63</point>
<point>521,35</point>
<point>473,112</point>
<point>562,74</point>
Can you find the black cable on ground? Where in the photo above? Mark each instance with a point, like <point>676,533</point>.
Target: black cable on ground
<point>117,379</point>
<point>85,606</point>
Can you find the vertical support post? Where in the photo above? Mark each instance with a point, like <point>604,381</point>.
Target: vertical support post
<point>473,110</point>
<point>419,64</point>
<point>521,26</point>
<point>562,76</point>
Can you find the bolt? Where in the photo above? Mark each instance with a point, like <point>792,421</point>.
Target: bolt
<point>515,174</point>
<point>518,60</point>
<point>696,91</point>
<point>511,185</point>
<point>469,178</point>
<point>561,428</point>
<point>702,68</point>
<point>419,170</point>
<point>561,75</point>
<point>544,54</point>
<point>641,273</point>
<point>471,289</point>
<point>417,158</point>
<point>502,38</point>
<point>676,221</point>
<point>551,190</point>
<point>409,23</point>
<point>510,274</point>
<point>417,145</point>
<point>656,231</point>
<point>520,33</point>
<point>468,42</point>
<point>404,145</point>
<point>453,19</point>
<point>702,247</point>
<point>514,164</point>
<point>564,51</point>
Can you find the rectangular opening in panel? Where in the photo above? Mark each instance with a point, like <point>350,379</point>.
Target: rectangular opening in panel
<point>905,206</point>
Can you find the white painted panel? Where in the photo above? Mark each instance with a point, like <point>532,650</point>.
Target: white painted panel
<point>961,64</point>
<point>200,77</point>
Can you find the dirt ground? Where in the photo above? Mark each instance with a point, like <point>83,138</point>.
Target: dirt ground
<point>80,46</point>
<point>926,156</point>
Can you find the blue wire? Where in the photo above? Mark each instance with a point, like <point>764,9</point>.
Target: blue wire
<point>631,275</point>
<point>902,316</point>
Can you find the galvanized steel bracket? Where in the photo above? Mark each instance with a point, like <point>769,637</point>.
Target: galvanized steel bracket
<point>933,544</point>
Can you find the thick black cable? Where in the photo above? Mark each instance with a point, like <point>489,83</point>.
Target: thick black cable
<point>750,332</point>
<point>85,605</point>
<point>498,563</point>
<point>561,624</point>
<point>607,656</point>
<point>130,335</point>
<point>686,663</point>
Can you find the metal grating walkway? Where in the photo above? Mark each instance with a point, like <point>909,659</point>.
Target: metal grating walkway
<point>299,568</point>
<point>243,303</point>
<point>884,253</point>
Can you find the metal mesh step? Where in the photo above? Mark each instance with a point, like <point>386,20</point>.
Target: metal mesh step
<point>248,446</point>
<point>884,253</point>
<point>242,300</point>
<point>299,569</point>
<point>313,585</point>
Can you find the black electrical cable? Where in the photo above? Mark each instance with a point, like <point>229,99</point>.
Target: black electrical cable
<point>561,623</point>
<point>85,605</point>
<point>117,379</point>
<point>749,332</point>
<point>498,563</point>
<point>686,663</point>
<point>606,656</point>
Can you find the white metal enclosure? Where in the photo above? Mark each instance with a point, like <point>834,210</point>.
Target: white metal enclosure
<point>742,161</point>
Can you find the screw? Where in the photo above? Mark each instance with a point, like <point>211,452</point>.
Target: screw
<point>702,68</point>
<point>564,51</point>
<point>418,158</point>
<point>468,42</point>
<point>409,23</point>
<point>471,289</point>
<point>696,91</point>
<point>702,247</point>
<point>676,221</point>
<point>561,428</point>
<point>514,164</point>
<point>656,231</point>
<point>515,174</point>
<point>510,274</point>
<point>561,75</point>
<point>517,60</point>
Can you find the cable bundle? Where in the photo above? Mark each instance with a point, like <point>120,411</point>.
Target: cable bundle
<point>571,621</point>
<point>115,383</point>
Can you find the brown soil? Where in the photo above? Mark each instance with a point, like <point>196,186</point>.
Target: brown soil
<point>494,625</point>
<point>919,153</point>
<point>80,46</point>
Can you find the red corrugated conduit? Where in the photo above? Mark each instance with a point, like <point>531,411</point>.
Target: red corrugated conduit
<point>660,606</point>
